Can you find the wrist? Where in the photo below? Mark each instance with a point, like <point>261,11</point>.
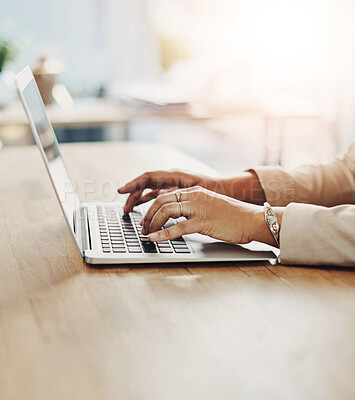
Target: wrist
<point>245,187</point>
<point>213,184</point>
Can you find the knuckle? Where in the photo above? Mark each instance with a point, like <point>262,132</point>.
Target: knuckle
<point>199,224</point>
<point>199,190</point>
<point>160,199</point>
<point>168,234</point>
<point>166,208</point>
<point>180,229</point>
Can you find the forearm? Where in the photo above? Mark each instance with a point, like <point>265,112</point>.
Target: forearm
<point>245,187</point>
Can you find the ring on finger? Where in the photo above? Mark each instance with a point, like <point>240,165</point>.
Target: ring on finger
<point>178,196</point>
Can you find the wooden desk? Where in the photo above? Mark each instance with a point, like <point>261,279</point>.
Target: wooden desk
<point>203,331</point>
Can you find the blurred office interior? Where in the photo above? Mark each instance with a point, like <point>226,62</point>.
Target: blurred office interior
<point>234,83</point>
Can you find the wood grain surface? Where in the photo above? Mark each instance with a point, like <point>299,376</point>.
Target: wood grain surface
<point>204,331</point>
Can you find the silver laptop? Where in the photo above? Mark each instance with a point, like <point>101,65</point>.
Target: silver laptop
<point>103,233</point>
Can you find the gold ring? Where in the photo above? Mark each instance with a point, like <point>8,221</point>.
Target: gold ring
<point>178,196</point>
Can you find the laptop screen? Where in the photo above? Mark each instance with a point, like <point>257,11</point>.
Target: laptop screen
<point>46,140</point>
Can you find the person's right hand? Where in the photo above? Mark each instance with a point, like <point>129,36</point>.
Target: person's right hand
<point>160,182</point>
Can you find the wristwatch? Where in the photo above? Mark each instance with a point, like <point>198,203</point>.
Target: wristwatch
<point>272,223</point>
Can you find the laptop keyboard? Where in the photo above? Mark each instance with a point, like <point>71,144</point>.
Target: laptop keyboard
<point>122,233</point>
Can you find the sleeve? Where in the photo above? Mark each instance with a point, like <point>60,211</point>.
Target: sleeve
<point>316,235</point>
<point>327,184</point>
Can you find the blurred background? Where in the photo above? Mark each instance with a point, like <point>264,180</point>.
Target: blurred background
<point>234,83</point>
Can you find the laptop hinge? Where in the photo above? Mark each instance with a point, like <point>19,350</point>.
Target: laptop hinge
<point>85,231</point>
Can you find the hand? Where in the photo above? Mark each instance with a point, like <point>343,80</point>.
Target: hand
<point>208,213</point>
<point>160,182</point>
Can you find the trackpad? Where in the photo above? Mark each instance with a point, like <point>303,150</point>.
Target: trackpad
<point>218,249</point>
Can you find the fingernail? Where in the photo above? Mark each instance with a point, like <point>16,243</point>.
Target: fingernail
<point>141,223</point>
<point>154,236</point>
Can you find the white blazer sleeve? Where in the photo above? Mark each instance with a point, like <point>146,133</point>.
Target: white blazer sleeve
<point>316,235</point>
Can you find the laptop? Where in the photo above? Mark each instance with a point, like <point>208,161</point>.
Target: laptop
<point>104,234</point>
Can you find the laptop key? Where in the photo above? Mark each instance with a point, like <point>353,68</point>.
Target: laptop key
<point>134,249</point>
<point>165,250</point>
<point>180,246</point>
<point>177,240</point>
<point>122,248</point>
<point>163,245</point>
<point>119,250</point>
<point>149,247</point>
<point>182,250</point>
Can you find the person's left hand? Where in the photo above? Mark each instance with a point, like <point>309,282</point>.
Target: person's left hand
<point>206,212</point>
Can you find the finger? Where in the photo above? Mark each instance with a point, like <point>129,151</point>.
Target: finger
<point>164,191</point>
<point>148,196</point>
<point>132,200</point>
<point>152,195</point>
<point>161,200</point>
<point>193,192</point>
<point>175,231</point>
<point>167,211</point>
<point>135,184</point>
<point>153,180</point>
